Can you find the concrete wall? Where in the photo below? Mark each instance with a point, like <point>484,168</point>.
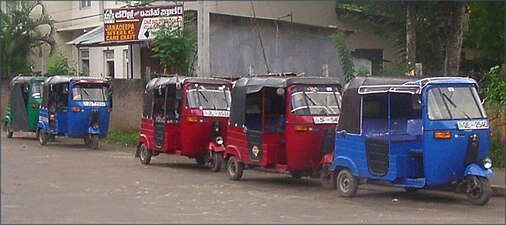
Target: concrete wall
<point>127,104</point>
<point>236,49</point>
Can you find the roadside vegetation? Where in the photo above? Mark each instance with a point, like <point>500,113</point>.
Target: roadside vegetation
<point>122,138</point>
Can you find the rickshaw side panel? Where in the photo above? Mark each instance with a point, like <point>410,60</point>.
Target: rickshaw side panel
<point>237,144</point>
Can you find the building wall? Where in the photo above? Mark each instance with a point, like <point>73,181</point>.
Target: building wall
<point>236,48</point>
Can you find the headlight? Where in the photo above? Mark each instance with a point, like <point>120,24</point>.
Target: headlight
<point>487,163</point>
<point>219,140</point>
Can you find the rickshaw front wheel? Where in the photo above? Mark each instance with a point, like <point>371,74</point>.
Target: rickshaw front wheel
<point>347,184</point>
<point>327,177</point>
<point>216,160</point>
<point>94,141</point>
<point>235,168</point>
<point>43,137</point>
<point>144,154</point>
<point>480,191</point>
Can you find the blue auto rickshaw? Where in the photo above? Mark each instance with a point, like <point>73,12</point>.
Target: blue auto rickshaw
<point>77,107</point>
<point>428,133</point>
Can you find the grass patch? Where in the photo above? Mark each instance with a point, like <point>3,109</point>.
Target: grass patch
<point>122,138</point>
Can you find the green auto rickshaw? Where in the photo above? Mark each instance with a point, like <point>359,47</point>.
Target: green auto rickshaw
<point>24,101</point>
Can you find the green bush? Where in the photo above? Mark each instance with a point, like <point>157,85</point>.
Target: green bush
<point>59,64</point>
<point>122,138</point>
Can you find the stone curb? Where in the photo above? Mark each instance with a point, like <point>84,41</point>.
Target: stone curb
<point>497,190</point>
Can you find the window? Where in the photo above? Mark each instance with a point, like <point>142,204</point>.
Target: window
<point>84,62</point>
<point>84,3</point>
<point>454,103</point>
<point>208,97</point>
<point>315,100</point>
<point>109,63</point>
<point>375,55</point>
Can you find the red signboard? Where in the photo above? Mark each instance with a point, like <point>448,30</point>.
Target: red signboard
<point>132,24</point>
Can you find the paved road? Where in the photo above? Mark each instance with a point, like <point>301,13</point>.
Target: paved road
<point>67,183</point>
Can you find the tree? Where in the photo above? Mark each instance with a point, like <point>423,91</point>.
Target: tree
<point>438,28</point>
<point>22,33</point>
<point>59,64</point>
<point>176,47</point>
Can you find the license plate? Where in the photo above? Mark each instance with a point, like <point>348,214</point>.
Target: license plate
<point>94,103</point>
<point>472,125</point>
<point>325,119</point>
<point>216,113</point>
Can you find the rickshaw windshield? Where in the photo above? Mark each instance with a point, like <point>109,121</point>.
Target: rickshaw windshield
<point>37,89</point>
<point>314,100</point>
<point>454,103</point>
<point>208,96</point>
<point>90,92</point>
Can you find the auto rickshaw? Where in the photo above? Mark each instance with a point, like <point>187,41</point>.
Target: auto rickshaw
<point>428,133</point>
<point>22,111</point>
<point>283,123</point>
<point>76,107</point>
<point>185,116</point>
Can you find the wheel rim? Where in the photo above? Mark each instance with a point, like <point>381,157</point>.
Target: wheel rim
<point>144,153</point>
<point>476,192</point>
<point>344,183</point>
<point>233,167</point>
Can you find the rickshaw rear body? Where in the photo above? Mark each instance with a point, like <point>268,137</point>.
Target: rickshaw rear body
<point>266,133</point>
<point>189,133</point>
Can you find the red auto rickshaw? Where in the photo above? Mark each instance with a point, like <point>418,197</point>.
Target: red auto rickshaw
<point>283,123</point>
<point>185,116</point>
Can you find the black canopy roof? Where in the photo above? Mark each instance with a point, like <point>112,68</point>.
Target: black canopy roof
<point>175,79</point>
<point>247,85</point>
<point>349,118</point>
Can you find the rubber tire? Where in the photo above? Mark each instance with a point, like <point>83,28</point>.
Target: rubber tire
<point>484,193</point>
<point>87,140</point>
<point>52,137</point>
<point>43,137</point>
<point>296,175</point>
<point>327,177</point>
<point>216,161</point>
<point>346,183</point>
<point>148,153</point>
<point>94,140</point>
<point>235,168</point>
<point>200,161</point>
<point>7,129</point>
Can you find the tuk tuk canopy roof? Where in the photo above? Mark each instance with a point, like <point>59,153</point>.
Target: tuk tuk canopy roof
<point>179,80</point>
<point>65,79</point>
<point>248,85</point>
<point>26,79</point>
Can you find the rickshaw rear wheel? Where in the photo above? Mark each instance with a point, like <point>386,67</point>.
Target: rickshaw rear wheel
<point>234,168</point>
<point>94,141</point>
<point>43,137</point>
<point>52,137</point>
<point>347,184</point>
<point>327,177</point>
<point>9,134</point>
<point>7,128</point>
<point>144,154</point>
<point>216,161</point>
<point>480,191</point>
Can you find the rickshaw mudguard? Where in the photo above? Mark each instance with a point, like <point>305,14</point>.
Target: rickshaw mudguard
<point>42,126</point>
<point>232,151</point>
<point>214,147</point>
<point>474,169</point>
<point>92,130</point>
<point>343,161</point>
